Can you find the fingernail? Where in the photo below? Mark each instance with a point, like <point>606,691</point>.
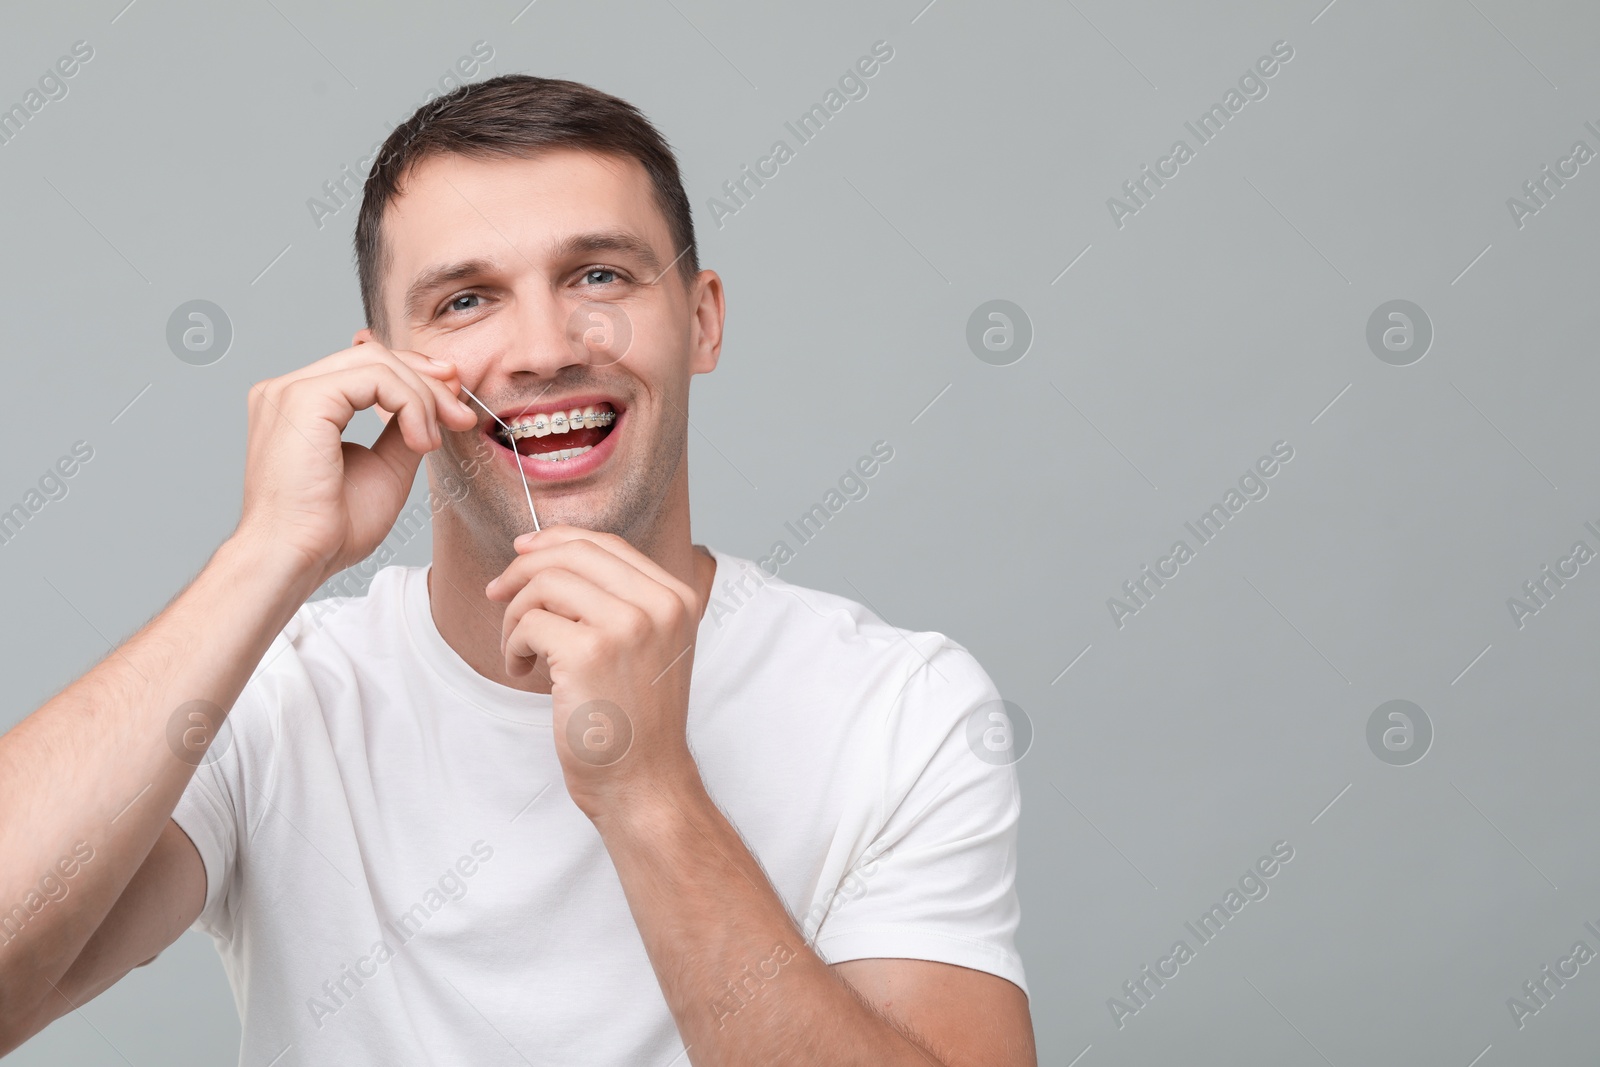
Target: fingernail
<point>436,362</point>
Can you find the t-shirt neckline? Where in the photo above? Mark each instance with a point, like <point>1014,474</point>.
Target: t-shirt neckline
<point>489,696</point>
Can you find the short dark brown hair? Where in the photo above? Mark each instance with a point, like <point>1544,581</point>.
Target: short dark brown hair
<point>515,115</point>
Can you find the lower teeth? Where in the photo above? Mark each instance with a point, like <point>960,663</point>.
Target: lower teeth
<point>565,453</point>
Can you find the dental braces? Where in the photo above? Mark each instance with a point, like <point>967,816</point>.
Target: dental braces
<point>548,424</point>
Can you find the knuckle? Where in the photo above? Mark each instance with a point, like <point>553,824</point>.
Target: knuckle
<point>546,581</point>
<point>636,623</point>
<point>665,609</point>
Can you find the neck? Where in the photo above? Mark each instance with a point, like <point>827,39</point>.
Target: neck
<point>470,622</point>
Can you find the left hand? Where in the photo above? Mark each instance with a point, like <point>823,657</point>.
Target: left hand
<point>615,631</point>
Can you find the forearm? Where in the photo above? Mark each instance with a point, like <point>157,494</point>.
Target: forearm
<point>101,765</point>
<point>741,982</point>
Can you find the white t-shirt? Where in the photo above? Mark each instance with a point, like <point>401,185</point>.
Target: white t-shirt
<point>396,874</point>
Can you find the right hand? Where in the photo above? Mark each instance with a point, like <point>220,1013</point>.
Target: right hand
<point>326,500</point>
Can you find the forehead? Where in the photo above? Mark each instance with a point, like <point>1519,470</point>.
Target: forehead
<point>453,208</point>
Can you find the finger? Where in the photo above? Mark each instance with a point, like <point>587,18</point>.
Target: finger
<point>354,359</point>
<point>610,573</point>
<point>364,354</point>
<point>370,352</point>
<point>541,633</point>
<point>569,595</point>
<point>616,546</point>
<point>443,369</point>
<point>338,396</point>
<point>425,387</point>
<point>445,381</point>
<point>355,356</point>
<point>391,447</point>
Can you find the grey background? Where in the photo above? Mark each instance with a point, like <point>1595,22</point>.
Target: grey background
<point>1228,314</point>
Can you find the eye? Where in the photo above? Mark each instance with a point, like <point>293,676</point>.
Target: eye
<point>454,303</point>
<point>592,271</point>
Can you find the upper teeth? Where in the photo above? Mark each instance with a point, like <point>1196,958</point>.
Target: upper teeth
<point>558,422</point>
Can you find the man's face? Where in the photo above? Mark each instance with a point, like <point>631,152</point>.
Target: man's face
<point>551,284</point>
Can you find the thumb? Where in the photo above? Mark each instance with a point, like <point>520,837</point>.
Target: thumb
<point>391,449</point>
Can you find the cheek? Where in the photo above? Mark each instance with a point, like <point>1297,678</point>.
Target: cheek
<point>476,348</point>
<point>660,351</point>
<point>475,353</point>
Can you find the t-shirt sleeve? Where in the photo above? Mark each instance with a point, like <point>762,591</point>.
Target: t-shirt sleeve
<point>938,881</point>
<point>224,801</point>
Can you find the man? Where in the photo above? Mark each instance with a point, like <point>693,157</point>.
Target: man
<point>481,815</point>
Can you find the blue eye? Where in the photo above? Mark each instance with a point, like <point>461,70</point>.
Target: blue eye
<point>599,270</point>
<point>452,305</point>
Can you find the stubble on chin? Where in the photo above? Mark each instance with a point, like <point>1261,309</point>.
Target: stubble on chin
<point>494,510</point>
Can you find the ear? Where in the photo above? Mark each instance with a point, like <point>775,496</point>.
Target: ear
<point>364,336</point>
<point>706,336</point>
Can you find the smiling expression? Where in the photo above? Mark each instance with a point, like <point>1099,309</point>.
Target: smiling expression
<point>552,285</point>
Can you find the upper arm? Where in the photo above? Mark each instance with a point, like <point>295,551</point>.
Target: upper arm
<point>970,1017</point>
<point>159,903</point>
<point>940,880</point>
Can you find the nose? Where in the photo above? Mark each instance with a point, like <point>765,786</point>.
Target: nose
<point>539,341</point>
<point>555,330</point>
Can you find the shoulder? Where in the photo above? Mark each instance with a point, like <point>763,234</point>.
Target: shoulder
<point>307,675</point>
<point>342,619</point>
<point>329,640</point>
<point>825,637</point>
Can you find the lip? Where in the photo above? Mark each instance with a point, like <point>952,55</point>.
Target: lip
<point>564,470</point>
<point>565,404</point>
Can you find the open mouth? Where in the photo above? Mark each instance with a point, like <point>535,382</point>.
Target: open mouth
<point>557,436</point>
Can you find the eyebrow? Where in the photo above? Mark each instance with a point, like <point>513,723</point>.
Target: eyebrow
<point>609,241</point>
<point>432,279</point>
<point>435,278</point>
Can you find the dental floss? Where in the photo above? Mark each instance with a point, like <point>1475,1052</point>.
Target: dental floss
<point>526,492</point>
